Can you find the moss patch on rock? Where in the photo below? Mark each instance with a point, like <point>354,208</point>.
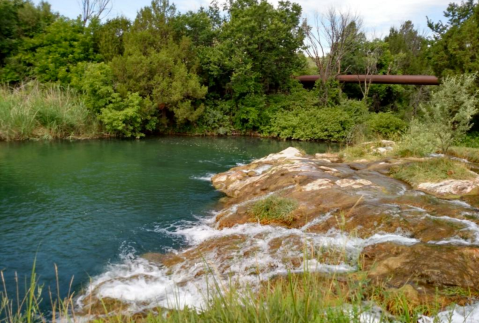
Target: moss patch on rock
<point>274,209</point>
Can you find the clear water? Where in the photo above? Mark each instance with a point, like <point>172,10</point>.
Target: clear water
<point>85,205</point>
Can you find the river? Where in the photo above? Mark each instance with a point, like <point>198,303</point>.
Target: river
<point>84,205</point>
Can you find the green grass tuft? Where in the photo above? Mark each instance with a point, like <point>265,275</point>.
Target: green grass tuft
<point>275,209</point>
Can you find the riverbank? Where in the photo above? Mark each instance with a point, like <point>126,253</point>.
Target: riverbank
<point>300,230</point>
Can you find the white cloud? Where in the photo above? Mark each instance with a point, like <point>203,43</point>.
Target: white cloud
<point>379,15</point>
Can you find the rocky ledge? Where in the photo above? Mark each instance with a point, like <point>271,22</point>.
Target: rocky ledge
<point>347,217</point>
<point>409,237</point>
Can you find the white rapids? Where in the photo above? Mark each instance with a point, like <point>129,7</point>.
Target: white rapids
<point>143,284</point>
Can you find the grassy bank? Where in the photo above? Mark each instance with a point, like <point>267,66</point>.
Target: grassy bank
<point>35,111</point>
<point>432,170</point>
<point>307,297</point>
<point>471,154</point>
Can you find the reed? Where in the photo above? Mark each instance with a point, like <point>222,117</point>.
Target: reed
<point>44,111</point>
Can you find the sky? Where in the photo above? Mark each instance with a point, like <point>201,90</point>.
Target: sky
<point>378,15</point>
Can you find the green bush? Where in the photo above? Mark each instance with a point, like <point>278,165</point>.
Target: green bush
<point>216,118</point>
<point>127,117</point>
<point>448,115</point>
<point>357,110</point>
<point>386,124</point>
<point>95,81</point>
<point>250,115</point>
<point>332,124</point>
<point>417,141</point>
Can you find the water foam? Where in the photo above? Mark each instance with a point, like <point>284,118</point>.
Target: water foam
<point>468,226</point>
<point>143,284</point>
<point>206,177</point>
<point>458,314</point>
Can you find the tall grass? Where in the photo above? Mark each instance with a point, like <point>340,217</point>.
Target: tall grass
<point>44,111</point>
<point>307,297</point>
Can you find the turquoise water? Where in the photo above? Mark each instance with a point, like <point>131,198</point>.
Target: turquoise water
<point>84,205</point>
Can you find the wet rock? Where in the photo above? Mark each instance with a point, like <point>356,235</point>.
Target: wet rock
<point>423,264</point>
<point>328,157</point>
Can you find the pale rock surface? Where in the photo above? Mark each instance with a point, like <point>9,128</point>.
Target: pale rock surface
<point>353,183</point>
<point>288,153</point>
<point>450,187</point>
<point>319,184</point>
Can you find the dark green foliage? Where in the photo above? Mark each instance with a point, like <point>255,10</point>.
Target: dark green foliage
<point>407,45</point>
<point>21,18</point>
<point>128,117</point>
<point>386,124</point>
<point>52,55</point>
<point>256,49</point>
<point>456,45</point>
<point>109,37</point>
<point>216,118</point>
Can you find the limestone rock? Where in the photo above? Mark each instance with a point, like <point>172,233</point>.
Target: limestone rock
<point>450,187</point>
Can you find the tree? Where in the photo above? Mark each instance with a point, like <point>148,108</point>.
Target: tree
<point>455,48</point>
<point>448,115</point>
<point>109,37</point>
<point>256,49</point>
<point>328,40</point>
<point>158,68</point>
<point>51,56</point>
<point>94,9</point>
<point>409,48</point>
<point>21,19</point>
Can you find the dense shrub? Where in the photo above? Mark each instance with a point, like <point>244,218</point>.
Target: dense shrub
<point>128,117</point>
<point>331,124</point>
<point>216,118</point>
<point>449,113</point>
<point>250,114</point>
<point>386,124</point>
<point>417,141</point>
